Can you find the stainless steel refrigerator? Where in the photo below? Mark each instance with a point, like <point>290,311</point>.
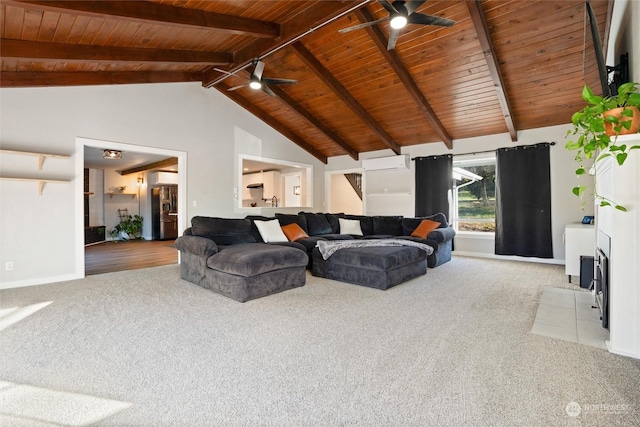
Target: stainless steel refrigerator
<point>164,212</point>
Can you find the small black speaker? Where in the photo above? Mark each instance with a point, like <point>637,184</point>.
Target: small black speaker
<point>586,271</point>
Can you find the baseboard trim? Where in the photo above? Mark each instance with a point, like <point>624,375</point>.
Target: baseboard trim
<point>510,257</point>
<point>39,281</point>
<point>621,352</point>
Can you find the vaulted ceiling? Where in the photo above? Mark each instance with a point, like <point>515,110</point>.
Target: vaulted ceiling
<point>505,66</point>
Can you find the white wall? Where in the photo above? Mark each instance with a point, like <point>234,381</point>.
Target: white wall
<point>566,208</point>
<point>38,233</point>
<point>343,198</point>
<point>625,35</point>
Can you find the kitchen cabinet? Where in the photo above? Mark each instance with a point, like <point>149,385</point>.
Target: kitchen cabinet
<point>270,182</point>
<point>271,185</point>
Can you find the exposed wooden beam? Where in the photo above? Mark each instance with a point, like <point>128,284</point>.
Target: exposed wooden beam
<point>303,112</point>
<point>342,92</point>
<point>403,74</point>
<point>84,78</point>
<point>290,30</point>
<point>249,106</point>
<point>158,14</point>
<point>44,51</point>
<point>170,161</point>
<point>482,29</point>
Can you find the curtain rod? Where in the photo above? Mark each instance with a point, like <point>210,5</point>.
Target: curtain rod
<point>488,151</point>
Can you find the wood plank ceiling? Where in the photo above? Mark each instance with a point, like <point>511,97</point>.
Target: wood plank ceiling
<point>505,66</point>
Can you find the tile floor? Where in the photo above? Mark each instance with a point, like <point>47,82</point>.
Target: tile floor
<point>568,315</point>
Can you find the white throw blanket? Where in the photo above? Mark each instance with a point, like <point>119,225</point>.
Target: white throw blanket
<point>328,247</point>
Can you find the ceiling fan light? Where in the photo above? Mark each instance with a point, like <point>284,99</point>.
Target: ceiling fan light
<point>254,84</point>
<point>398,21</point>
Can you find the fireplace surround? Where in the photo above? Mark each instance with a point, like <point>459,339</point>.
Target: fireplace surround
<point>601,279</point>
<point>618,241</point>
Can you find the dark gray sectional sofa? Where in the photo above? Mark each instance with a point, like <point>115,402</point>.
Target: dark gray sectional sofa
<point>325,226</point>
<point>228,255</point>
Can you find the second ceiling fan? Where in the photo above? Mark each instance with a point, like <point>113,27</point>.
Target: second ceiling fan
<point>402,13</point>
<point>257,82</point>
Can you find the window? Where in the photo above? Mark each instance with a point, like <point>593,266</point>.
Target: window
<point>474,195</point>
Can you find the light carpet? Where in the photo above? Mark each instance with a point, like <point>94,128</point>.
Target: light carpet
<point>449,348</point>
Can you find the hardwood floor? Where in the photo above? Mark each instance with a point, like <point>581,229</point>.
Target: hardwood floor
<point>119,256</point>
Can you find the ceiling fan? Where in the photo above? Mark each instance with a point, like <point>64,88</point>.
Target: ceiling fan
<point>257,82</point>
<point>402,13</point>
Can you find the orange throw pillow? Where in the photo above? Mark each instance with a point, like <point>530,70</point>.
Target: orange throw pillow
<point>425,227</point>
<point>294,232</point>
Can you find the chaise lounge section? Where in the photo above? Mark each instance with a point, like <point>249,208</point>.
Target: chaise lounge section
<point>221,255</point>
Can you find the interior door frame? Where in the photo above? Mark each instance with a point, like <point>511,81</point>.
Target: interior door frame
<point>327,186</point>
<point>81,143</point>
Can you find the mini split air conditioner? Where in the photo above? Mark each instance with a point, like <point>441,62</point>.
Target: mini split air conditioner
<point>386,163</point>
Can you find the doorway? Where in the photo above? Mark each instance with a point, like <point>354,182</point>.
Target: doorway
<point>133,196</point>
<point>343,193</point>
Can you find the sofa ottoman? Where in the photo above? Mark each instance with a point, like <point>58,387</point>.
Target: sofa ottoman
<point>379,267</point>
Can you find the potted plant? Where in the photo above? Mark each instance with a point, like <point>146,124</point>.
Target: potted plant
<point>129,228</point>
<point>597,127</point>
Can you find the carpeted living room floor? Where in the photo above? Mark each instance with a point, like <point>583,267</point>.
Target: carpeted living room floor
<point>454,347</point>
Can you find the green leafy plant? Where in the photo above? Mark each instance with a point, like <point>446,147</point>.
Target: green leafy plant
<point>131,226</point>
<point>114,234</point>
<point>590,134</point>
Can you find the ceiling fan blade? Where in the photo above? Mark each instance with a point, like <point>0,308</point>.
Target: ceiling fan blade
<point>388,6</point>
<point>237,87</point>
<point>366,24</point>
<point>279,81</point>
<point>393,37</point>
<point>266,89</point>
<point>257,72</point>
<point>419,18</point>
<point>411,6</point>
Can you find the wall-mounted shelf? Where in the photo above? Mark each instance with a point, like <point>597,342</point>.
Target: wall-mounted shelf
<point>111,194</point>
<point>41,156</point>
<point>40,181</point>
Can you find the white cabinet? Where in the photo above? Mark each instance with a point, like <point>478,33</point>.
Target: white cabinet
<point>265,185</point>
<point>271,182</point>
<point>251,193</point>
<point>161,178</point>
<point>580,240</point>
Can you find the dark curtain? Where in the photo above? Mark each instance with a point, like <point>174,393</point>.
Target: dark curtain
<point>433,183</point>
<point>523,201</point>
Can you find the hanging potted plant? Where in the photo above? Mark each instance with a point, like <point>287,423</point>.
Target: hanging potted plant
<point>597,127</point>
